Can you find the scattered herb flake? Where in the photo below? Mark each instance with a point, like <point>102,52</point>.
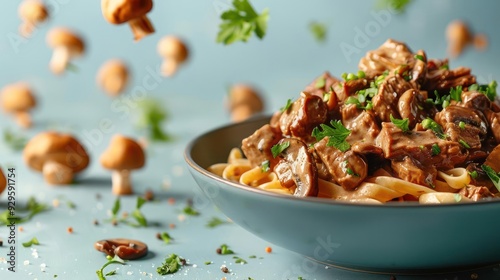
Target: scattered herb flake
<point>419,57</point>
<point>165,237</point>
<point>224,250</point>
<point>239,260</point>
<point>115,259</point>
<point>33,207</point>
<point>14,141</point>
<point>456,93</point>
<point>429,123</point>
<point>252,257</point>
<point>239,23</point>
<point>265,166</point>
<point>318,30</point>
<point>214,222</point>
<point>473,174</point>
<point>320,82</point>
<point>458,197</point>
<point>461,125</point>
<point>277,149</point>
<point>152,115</point>
<point>463,143</point>
<point>401,124</point>
<point>336,133</point>
<point>398,5</point>
<point>33,241</point>
<point>287,106</point>
<point>492,174</point>
<point>170,266</point>
<point>188,210</point>
<point>208,262</point>
<point>435,149</point>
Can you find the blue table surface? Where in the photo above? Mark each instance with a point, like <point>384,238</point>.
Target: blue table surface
<point>280,66</point>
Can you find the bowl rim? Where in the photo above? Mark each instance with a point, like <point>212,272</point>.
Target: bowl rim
<point>195,166</point>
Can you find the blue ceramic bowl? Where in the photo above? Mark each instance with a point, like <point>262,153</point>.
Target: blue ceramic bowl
<point>404,238</point>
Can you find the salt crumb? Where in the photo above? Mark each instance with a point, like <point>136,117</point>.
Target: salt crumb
<point>181,217</point>
<point>194,265</point>
<point>130,272</point>
<point>26,262</point>
<point>55,203</point>
<point>3,260</point>
<point>42,267</point>
<point>178,170</point>
<point>166,183</point>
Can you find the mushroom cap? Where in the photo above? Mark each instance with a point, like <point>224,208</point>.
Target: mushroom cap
<point>57,147</point>
<point>245,95</point>
<point>3,181</point>
<point>114,69</point>
<point>123,154</point>
<point>120,11</point>
<point>173,47</point>
<point>64,37</point>
<point>33,11</point>
<point>17,97</point>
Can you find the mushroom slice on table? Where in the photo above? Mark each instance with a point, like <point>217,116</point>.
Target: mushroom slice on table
<point>32,13</point>
<point>67,45</point>
<point>3,181</point>
<point>113,77</point>
<point>18,100</point>
<point>58,156</point>
<point>122,156</point>
<point>243,102</point>
<point>174,53</point>
<point>297,165</point>
<point>131,11</point>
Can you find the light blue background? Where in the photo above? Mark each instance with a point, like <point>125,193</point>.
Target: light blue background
<point>280,65</point>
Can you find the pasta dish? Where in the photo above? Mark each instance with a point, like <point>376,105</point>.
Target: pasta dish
<point>403,128</point>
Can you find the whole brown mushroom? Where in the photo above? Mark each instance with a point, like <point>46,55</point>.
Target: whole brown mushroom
<point>3,181</point>
<point>18,100</point>
<point>58,156</point>
<point>67,45</point>
<point>459,37</point>
<point>131,11</point>
<point>122,156</point>
<point>243,101</point>
<point>174,53</point>
<point>32,13</point>
<point>113,77</point>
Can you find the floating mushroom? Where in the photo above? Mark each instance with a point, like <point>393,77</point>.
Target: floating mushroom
<point>67,45</point>
<point>131,11</point>
<point>113,77</point>
<point>459,37</point>
<point>3,182</point>
<point>174,53</point>
<point>122,156</point>
<point>58,156</point>
<point>32,13</point>
<point>17,99</point>
<point>243,101</point>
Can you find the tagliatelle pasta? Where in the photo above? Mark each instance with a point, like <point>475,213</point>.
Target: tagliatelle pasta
<point>403,128</point>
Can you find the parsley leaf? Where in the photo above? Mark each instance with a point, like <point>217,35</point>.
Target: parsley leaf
<point>435,149</point>
<point>170,266</point>
<point>188,210</point>
<point>318,30</point>
<point>165,237</point>
<point>401,124</point>
<point>214,222</point>
<point>33,241</point>
<point>337,135</point>
<point>239,23</point>
<point>419,57</point>
<point>239,260</point>
<point>152,115</point>
<point>279,148</point>
<point>15,142</point>
<point>429,123</point>
<point>398,5</point>
<point>287,105</point>
<point>492,174</point>
<point>265,166</point>
<point>224,250</point>
<point>320,82</point>
<point>490,90</point>
<point>456,93</point>
<point>33,207</point>
<point>115,259</point>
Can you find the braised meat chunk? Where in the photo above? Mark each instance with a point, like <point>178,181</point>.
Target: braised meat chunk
<point>257,147</point>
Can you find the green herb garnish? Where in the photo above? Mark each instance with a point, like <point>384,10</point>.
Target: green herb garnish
<point>265,166</point>
<point>14,141</point>
<point>239,23</point>
<point>456,93</point>
<point>463,143</point>
<point>401,124</point>
<point>429,123</point>
<point>140,219</point>
<point>398,5</point>
<point>337,134</point>
<point>33,207</point>
<point>239,260</point>
<point>33,241</point>
<point>188,210</point>
<point>320,82</point>
<point>151,118</point>
<point>493,175</point>
<point>473,174</point>
<point>279,148</point>
<point>170,266</point>
<point>166,237</point>
<point>318,30</point>
<point>461,125</point>
<point>435,149</point>
<point>224,250</point>
<point>287,106</point>
<point>419,57</point>
<point>208,262</point>
<point>115,259</point>
<point>214,222</point>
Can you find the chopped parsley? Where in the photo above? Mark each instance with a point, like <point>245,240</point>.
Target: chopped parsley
<point>463,143</point>
<point>15,142</point>
<point>490,90</point>
<point>492,174</point>
<point>429,123</point>
<point>277,149</point>
<point>398,5</point>
<point>239,260</point>
<point>456,93</point>
<point>33,241</point>
<point>473,174</point>
<point>115,259</point>
<point>265,166</point>
<point>461,125</point>
<point>435,149</point>
<point>224,250</point>
<point>287,106</point>
<point>33,207</point>
<point>337,134</point>
<point>419,57</point>
<point>320,82</point>
<point>318,30</point>
<point>443,101</point>
<point>351,76</point>
<point>137,215</point>
<point>348,170</point>
<point>401,124</point>
<point>240,22</point>
<point>152,115</point>
<point>171,265</point>
<point>214,222</point>
<point>380,79</point>
<point>188,210</point>
<point>165,237</point>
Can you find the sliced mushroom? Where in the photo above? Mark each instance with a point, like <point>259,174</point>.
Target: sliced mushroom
<point>126,249</point>
<point>301,165</point>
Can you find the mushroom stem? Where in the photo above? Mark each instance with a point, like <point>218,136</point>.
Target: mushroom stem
<point>141,27</point>
<point>169,67</point>
<point>120,180</point>
<point>57,174</point>
<point>60,59</point>
<point>23,119</point>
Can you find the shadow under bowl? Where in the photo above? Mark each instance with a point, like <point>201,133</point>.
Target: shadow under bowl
<point>405,238</point>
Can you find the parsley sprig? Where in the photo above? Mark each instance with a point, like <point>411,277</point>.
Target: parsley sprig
<point>152,115</point>
<point>33,241</point>
<point>492,174</point>
<point>33,207</point>
<point>402,124</point>
<point>137,215</point>
<point>337,134</point>
<point>490,90</point>
<point>239,23</point>
<point>171,265</point>
<point>318,31</point>
<point>115,259</point>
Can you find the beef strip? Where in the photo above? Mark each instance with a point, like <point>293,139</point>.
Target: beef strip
<point>321,84</point>
<point>476,192</point>
<point>494,123</point>
<point>385,102</point>
<point>349,88</point>
<point>396,145</point>
<point>443,79</point>
<point>364,129</point>
<point>389,56</point>
<point>307,112</point>
<point>413,171</point>
<point>348,169</point>
<point>475,100</point>
<point>257,147</point>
